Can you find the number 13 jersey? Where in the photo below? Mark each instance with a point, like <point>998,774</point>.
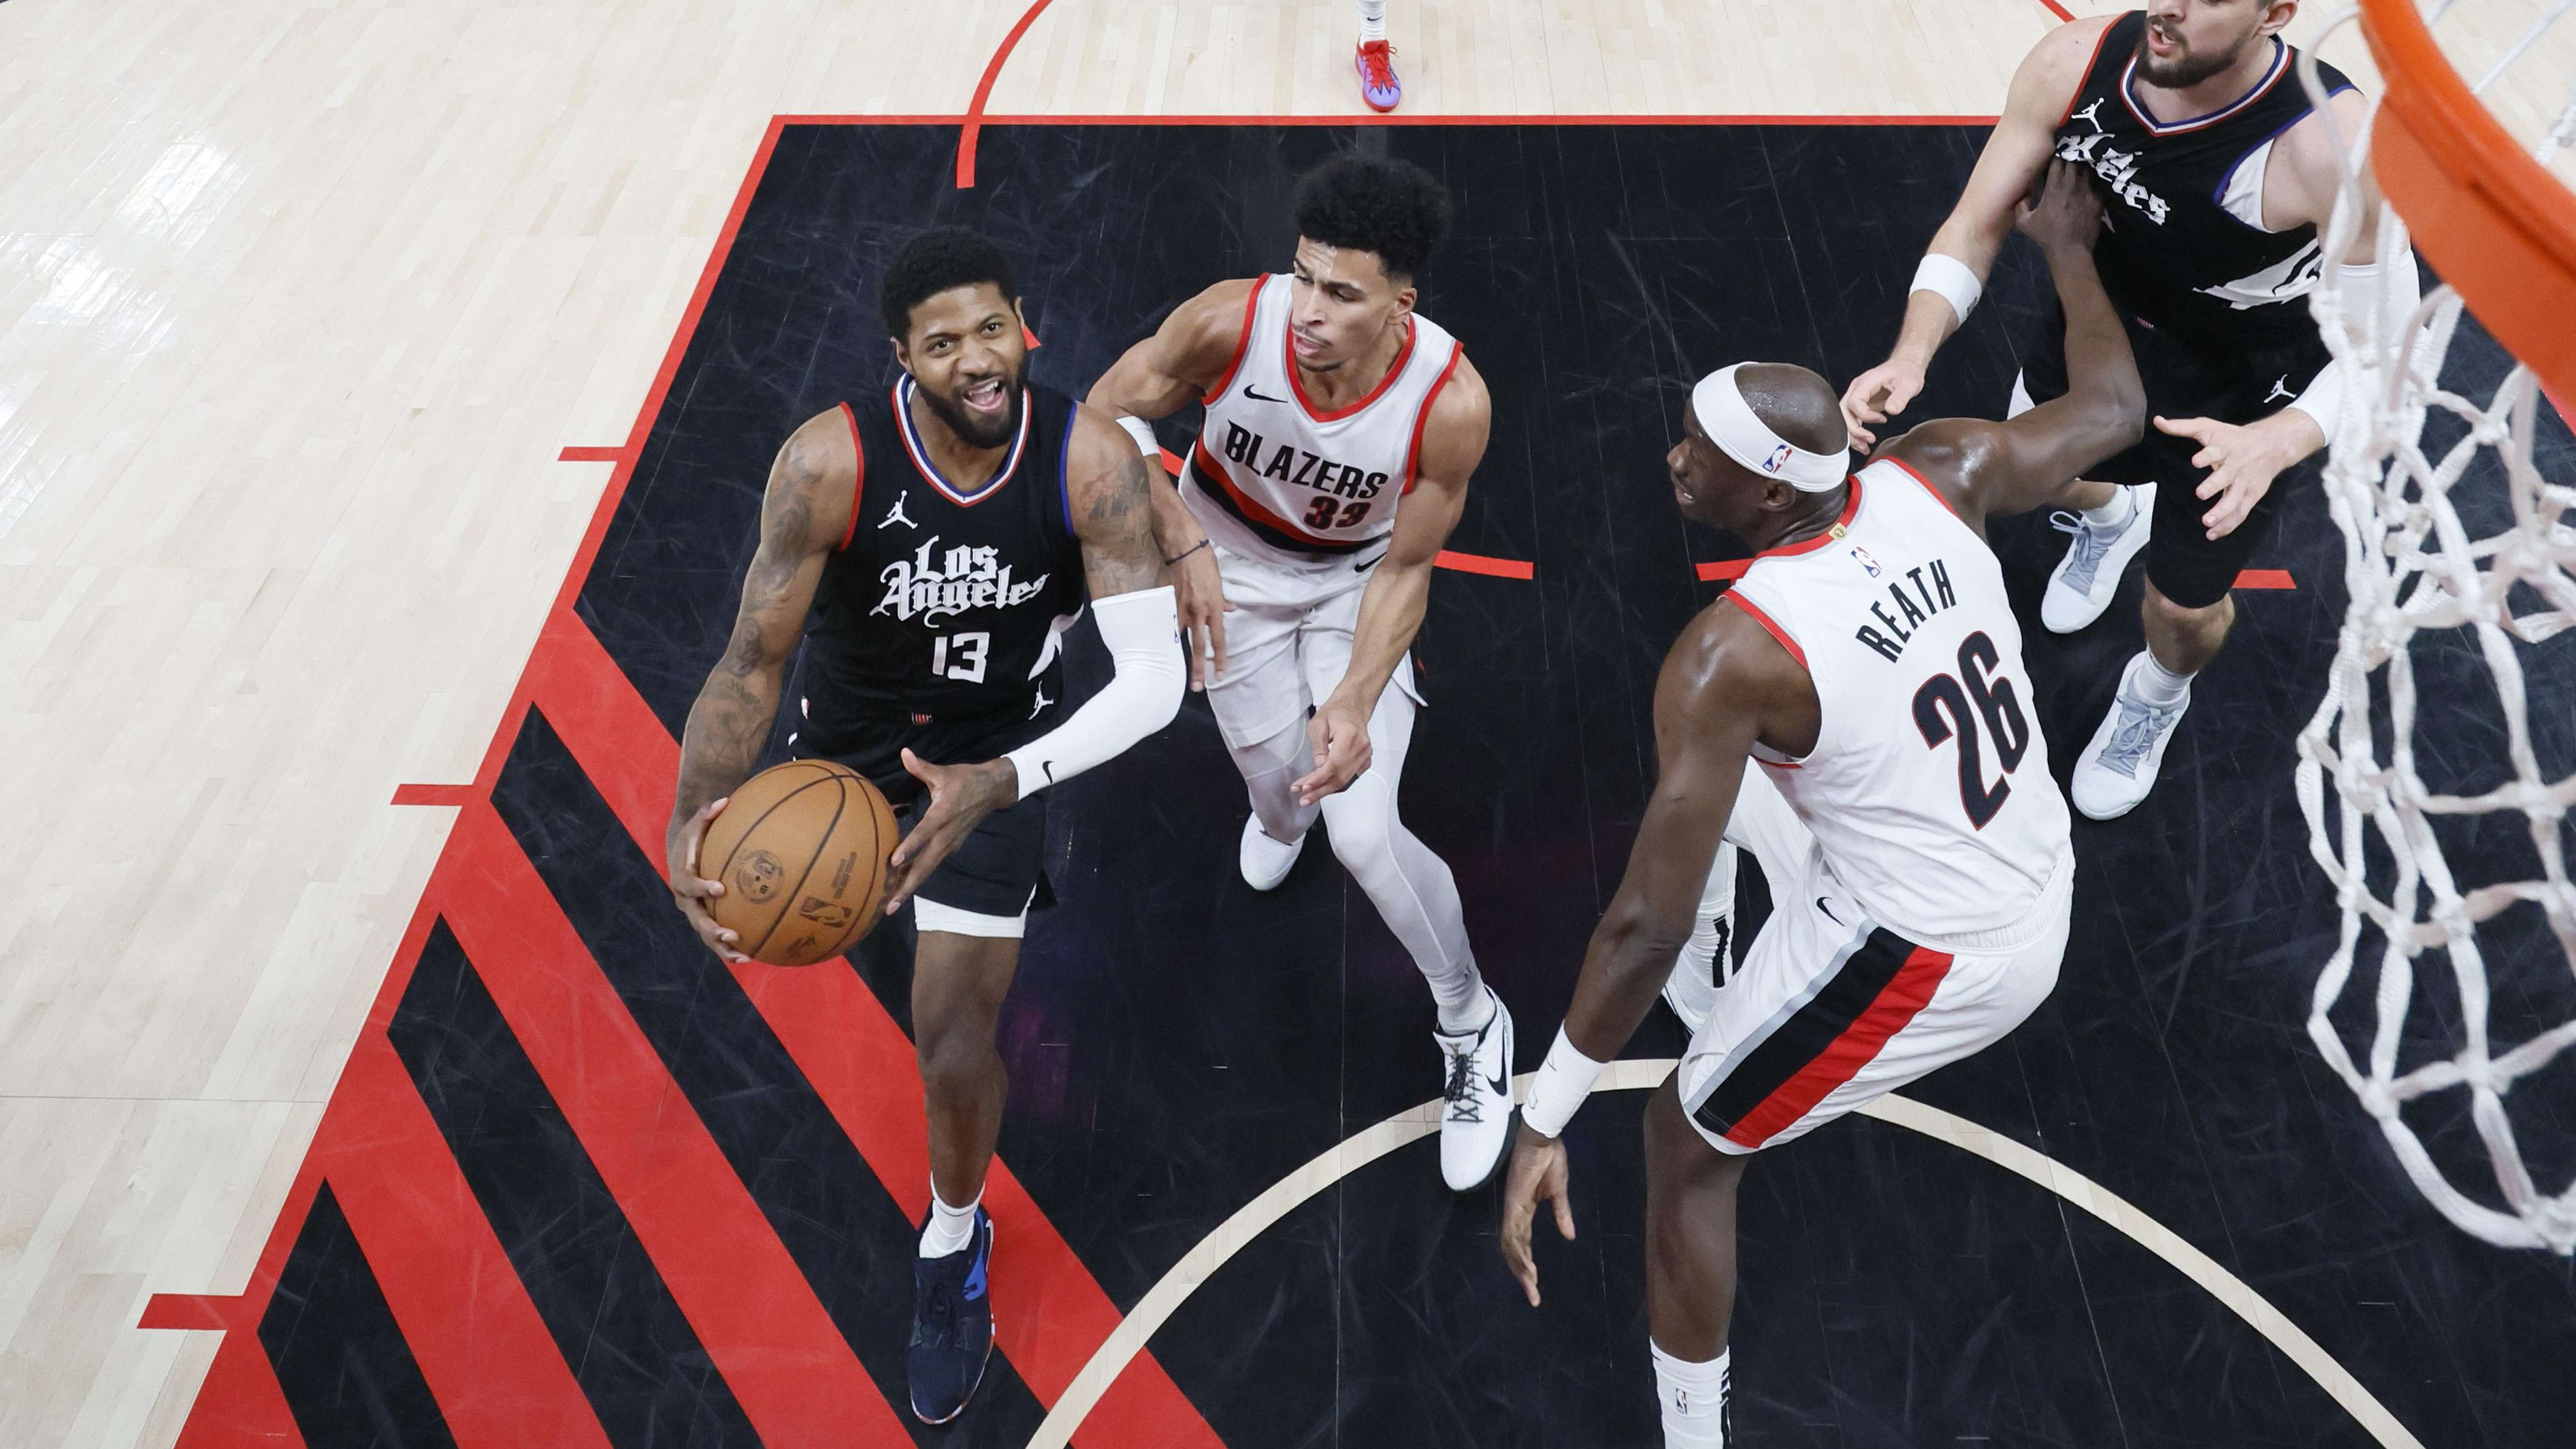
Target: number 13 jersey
<point>1928,789</point>
<point>1275,475</point>
<point>941,611</point>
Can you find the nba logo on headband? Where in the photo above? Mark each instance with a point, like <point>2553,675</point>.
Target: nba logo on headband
<point>1717,402</point>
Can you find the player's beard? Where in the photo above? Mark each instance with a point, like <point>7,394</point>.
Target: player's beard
<point>2185,70</point>
<point>973,429</point>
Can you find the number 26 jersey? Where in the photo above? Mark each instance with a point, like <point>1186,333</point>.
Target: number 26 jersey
<point>1928,789</point>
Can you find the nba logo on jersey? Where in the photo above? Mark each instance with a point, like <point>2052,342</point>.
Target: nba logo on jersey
<point>1861,556</point>
<point>1778,460</point>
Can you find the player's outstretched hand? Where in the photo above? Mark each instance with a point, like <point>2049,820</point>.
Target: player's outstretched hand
<point>1537,1174</point>
<point>1200,592</point>
<point>1339,733</point>
<point>1877,395</point>
<point>960,797</point>
<point>693,891</point>
<point>2068,214</point>
<point>2242,461</point>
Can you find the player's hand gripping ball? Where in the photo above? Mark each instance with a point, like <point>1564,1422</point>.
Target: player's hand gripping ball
<point>800,850</point>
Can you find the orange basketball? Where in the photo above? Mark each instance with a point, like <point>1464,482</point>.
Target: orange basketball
<point>801,849</point>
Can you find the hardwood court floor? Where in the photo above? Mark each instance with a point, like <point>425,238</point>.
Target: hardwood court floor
<point>300,305</point>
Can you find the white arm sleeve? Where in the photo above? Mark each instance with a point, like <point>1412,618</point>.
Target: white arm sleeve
<point>2363,296</point>
<point>1143,632</point>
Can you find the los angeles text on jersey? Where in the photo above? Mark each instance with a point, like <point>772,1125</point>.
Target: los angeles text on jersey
<point>1890,636</point>
<point>966,578</point>
<point>2117,168</point>
<point>1298,467</point>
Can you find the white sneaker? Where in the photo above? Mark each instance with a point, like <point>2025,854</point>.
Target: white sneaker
<point>2082,584</point>
<point>1708,958</point>
<point>1266,862</point>
<point>2119,767</point>
<point>1476,1111</point>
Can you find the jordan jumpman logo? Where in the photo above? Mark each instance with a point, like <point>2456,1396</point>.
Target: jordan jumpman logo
<point>2091,115</point>
<point>896,514</point>
<point>2281,390</point>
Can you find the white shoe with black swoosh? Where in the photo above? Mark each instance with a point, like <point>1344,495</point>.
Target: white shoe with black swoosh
<point>1476,1105</point>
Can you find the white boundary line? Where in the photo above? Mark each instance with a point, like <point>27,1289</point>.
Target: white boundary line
<point>1348,1156</point>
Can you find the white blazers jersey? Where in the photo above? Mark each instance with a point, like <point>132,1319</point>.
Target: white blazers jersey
<point>1928,790</point>
<point>1274,475</point>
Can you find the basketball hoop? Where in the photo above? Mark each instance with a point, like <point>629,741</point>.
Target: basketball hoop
<point>2490,217</point>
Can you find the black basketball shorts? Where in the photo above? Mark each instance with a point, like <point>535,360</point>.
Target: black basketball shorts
<point>2239,386</point>
<point>998,871</point>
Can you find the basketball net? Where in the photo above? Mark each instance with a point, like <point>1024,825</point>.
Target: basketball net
<point>2419,577</point>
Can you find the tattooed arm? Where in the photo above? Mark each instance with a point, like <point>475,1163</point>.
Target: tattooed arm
<point>812,490</point>
<point>1113,517</point>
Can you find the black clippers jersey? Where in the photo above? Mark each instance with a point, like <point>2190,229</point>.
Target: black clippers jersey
<point>2183,245</point>
<point>943,605</point>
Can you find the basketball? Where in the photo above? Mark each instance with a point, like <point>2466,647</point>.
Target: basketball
<point>801,849</point>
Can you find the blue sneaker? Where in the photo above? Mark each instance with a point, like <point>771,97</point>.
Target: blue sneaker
<point>952,1327</point>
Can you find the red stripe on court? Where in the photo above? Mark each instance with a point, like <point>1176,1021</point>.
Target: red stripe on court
<point>240,1405</point>
<point>777,1347</point>
<point>2265,579</point>
<point>1887,1015</point>
<point>1476,563</point>
<point>436,794</point>
<point>1049,1314</point>
<point>2060,11</point>
<point>974,127</point>
<point>1517,118</point>
<point>616,454</point>
<point>500,1381</point>
<point>190,1310</point>
<point>1725,568</point>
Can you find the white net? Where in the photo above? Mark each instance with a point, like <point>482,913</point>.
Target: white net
<point>2456,547</point>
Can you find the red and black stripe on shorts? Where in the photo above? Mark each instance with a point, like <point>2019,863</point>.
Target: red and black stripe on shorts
<point>1871,996</point>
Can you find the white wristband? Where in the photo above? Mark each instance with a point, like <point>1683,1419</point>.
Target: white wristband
<point>1563,1081</point>
<point>1143,432</point>
<point>1949,278</point>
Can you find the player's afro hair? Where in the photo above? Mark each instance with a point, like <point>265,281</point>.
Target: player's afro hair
<point>1375,204</point>
<point>933,262</point>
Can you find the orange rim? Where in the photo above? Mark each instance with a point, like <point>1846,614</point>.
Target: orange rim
<point>2490,219</point>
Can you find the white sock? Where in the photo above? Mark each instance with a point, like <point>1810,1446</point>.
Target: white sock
<point>2157,686</point>
<point>950,1229</point>
<point>1694,1399</point>
<point>1372,20</point>
<point>1474,1016</point>
<point>2116,513</point>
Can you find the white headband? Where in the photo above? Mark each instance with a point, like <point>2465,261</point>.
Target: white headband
<point>1730,423</point>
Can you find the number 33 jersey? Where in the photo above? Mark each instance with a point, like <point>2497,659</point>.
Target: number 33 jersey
<point>1928,789</point>
<point>1275,475</point>
<point>942,608</point>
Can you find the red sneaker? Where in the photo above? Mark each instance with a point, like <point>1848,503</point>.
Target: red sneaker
<point>1375,62</point>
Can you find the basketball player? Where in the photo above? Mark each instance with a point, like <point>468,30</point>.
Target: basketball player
<point>2217,172</point>
<point>941,536</point>
<point>1375,60</point>
<point>1341,430</point>
<point>1903,813</point>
